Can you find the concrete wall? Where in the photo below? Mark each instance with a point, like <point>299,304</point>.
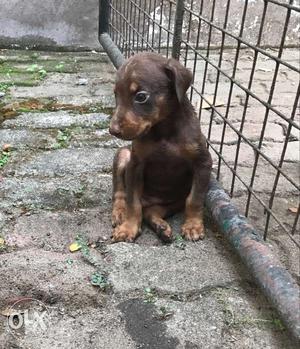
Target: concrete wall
<point>49,23</point>
<point>74,23</point>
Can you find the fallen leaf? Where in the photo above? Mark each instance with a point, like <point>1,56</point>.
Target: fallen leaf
<point>75,246</point>
<point>210,99</point>
<point>6,147</point>
<point>293,209</point>
<point>2,242</point>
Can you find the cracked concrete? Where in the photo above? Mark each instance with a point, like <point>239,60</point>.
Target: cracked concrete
<point>56,187</point>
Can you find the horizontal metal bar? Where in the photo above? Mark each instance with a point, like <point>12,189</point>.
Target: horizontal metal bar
<point>272,277</point>
<point>291,7</point>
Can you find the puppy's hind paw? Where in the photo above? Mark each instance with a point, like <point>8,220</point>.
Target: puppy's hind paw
<point>163,230</point>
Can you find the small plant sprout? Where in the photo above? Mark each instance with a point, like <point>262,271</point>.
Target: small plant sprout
<point>100,280</point>
<point>149,295</point>
<point>179,242</point>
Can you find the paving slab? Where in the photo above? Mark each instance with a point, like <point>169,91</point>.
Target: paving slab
<point>274,151</point>
<point>72,93</point>
<point>182,295</point>
<point>61,119</point>
<point>56,193</point>
<point>264,179</point>
<point>251,131</point>
<point>18,139</point>
<point>174,271</point>
<point>62,162</point>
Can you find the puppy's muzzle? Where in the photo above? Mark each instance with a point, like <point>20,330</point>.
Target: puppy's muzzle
<point>114,129</point>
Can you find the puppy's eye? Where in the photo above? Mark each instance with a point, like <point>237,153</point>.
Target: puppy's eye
<point>141,97</point>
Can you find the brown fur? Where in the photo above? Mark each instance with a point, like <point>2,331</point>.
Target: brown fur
<point>167,168</point>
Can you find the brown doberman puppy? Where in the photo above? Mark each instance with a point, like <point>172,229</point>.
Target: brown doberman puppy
<point>167,168</point>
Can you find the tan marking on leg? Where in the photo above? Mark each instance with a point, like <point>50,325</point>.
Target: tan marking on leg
<point>118,215</point>
<point>124,158</point>
<point>193,227</point>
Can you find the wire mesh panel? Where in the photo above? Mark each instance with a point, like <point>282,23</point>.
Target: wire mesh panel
<point>245,91</point>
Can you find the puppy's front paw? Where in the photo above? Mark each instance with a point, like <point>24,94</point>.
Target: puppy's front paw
<point>193,229</point>
<point>118,213</point>
<point>127,231</point>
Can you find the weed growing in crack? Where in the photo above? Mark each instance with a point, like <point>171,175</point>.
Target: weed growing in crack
<point>149,295</point>
<point>164,313</point>
<point>179,242</point>
<point>98,278</point>
<point>62,139</point>
<point>4,157</point>
<point>234,320</point>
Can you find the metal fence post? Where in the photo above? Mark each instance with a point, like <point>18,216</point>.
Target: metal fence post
<point>176,45</point>
<point>105,40</point>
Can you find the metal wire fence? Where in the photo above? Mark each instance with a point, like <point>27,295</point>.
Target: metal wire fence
<point>245,90</point>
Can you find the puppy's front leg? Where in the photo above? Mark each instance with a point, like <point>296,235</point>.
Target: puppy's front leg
<point>129,229</point>
<point>193,228</point>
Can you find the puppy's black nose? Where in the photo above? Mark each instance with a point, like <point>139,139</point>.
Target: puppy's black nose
<point>114,130</point>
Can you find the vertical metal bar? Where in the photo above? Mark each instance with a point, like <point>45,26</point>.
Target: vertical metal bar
<point>153,23</point>
<point>149,21</point>
<point>160,25</point>
<point>247,95</point>
<point>134,34</point>
<point>127,43</point>
<point>269,102</point>
<point>143,30</point>
<point>296,220</point>
<point>219,65</point>
<point>232,84</point>
<point>169,26</point>
<point>196,53</point>
<point>130,29</point>
<point>188,34</point>
<point>178,29</point>
<point>206,62</point>
<point>103,16</point>
<point>287,136</point>
<point>138,26</point>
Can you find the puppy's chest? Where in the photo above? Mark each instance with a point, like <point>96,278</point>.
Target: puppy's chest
<point>166,157</point>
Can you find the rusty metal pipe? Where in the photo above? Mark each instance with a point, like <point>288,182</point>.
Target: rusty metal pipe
<point>272,277</point>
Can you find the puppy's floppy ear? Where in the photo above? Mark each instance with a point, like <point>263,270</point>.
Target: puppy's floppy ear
<point>180,76</point>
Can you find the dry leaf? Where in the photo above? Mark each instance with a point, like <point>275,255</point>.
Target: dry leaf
<point>293,209</point>
<point>210,99</point>
<point>6,147</point>
<point>2,242</point>
<point>75,246</point>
